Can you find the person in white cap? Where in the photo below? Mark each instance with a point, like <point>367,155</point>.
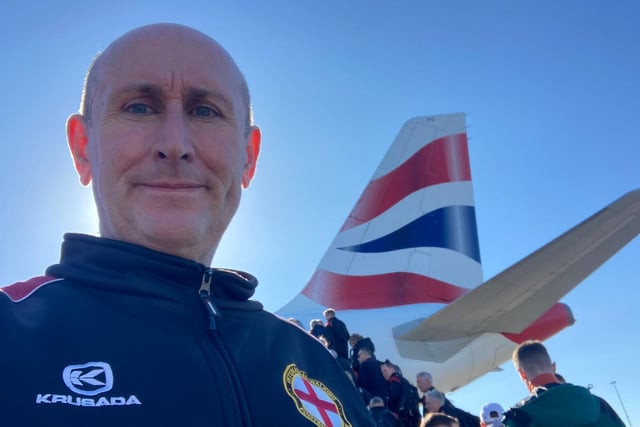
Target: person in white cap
<point>491,415</point>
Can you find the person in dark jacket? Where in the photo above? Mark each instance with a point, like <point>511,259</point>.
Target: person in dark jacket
<point>357,342</point>
<point>370,375</point>
<point>424,382</point>
<point>402,397</point>
<point>435,402</point>
<point>134,327</point>
<point>336,334</point>
<point>394,385</point>
<point>316,328</point>
<point>381,415</point>
<point>439,420</point>
<point>552,402</point>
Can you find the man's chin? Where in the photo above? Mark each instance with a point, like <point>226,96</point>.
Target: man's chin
<point>180,239</point>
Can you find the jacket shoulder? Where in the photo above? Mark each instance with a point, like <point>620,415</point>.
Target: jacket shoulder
<point>562,404</point>
<point>20,291</point>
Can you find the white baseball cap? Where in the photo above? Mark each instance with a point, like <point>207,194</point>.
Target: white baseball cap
<point>491,413</point>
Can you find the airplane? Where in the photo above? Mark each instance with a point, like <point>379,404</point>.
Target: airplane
<point>405,268</point>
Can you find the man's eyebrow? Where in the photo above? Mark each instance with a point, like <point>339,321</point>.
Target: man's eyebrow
<point>141,88</point>
<point>204,94</point>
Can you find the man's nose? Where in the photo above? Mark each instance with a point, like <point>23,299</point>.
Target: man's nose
<point>174,139</point>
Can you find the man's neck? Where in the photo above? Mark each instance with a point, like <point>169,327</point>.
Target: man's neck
<point>541,380</point>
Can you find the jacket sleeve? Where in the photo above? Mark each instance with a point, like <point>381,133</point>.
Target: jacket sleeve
<point>329,333</point>
<point>515,417</point>
<point>605,408</point>
<point>395,393</point>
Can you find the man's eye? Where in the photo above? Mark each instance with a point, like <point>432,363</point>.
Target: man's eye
<point>203,111</point>
<point>139,109</point>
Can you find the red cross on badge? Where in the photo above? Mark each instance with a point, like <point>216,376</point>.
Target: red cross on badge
<point>313,399</point>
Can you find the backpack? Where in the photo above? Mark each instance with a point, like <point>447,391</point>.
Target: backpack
<point>409,411</point>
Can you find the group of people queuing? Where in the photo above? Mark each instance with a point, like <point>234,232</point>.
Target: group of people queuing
<point>394,402</point>
<point>391,398</point>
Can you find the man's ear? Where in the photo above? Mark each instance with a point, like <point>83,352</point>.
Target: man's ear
<point>78,144</point>
<point>252,151</point>
<point>522,374</point>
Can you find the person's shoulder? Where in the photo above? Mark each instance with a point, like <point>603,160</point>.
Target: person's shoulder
<point>559,391</point>
<point>607,411</point>
<point>280,328</point>
<point>274,320</point>
<point>564,403</point>
<point>21,291</point>
<point>516,417</point>
<point>459,412</point>
<point>370,366</point>
<point>337,323</point>
<point>18,299</point>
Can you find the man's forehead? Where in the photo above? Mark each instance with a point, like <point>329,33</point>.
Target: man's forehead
<point>160,35</point>
<point>167,55</point>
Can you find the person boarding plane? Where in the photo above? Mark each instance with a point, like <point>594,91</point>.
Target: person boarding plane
<point>405,267</point>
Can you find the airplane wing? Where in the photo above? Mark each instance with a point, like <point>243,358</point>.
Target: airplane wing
<point>515,298</point>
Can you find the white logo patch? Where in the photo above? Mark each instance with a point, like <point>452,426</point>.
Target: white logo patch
<point>88,379</point>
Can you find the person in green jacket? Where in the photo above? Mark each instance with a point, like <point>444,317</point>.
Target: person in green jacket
<point>551,402</point>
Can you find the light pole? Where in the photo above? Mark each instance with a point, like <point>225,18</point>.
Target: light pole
<point>613,383</point>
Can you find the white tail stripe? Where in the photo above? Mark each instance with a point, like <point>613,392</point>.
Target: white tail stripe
<point>408,209</point>
<point>439,263</point>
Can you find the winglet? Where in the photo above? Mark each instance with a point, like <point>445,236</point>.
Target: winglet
<point>514,299</point>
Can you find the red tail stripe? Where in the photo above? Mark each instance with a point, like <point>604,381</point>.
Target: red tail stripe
<point>554,320</point>
<point>21,290</point>
<point>378,291</point>
<point>443,160</point>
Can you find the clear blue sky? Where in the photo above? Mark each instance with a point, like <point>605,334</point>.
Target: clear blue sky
<point>551,90</point>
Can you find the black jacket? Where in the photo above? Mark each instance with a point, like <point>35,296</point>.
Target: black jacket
<point>370,379</point>
<point>337,336</point>
<point>465,419</point>
<point>363,343</point>
<point>120,335</point>
<point>383,417</point>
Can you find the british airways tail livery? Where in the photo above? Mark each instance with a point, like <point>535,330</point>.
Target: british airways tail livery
<point>405,267</point>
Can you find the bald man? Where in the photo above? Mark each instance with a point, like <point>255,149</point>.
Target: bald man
<point>134,327</point>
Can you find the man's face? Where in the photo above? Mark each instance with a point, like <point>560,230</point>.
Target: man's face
<point>386,371</point>
<point>166,145</point>
<point>431,404</point>
<point>423,384</point>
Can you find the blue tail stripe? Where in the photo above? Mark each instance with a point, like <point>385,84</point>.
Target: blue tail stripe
<point>451,227</point>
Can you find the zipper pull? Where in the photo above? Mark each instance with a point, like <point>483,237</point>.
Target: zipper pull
<point>205,294</point>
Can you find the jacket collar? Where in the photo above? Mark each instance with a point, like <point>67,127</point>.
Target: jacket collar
<point>116,265</point>
<point>543,380</point>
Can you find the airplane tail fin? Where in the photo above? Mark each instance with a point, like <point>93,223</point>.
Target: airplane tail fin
<point>412,236</point>
<point>405,267</point>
